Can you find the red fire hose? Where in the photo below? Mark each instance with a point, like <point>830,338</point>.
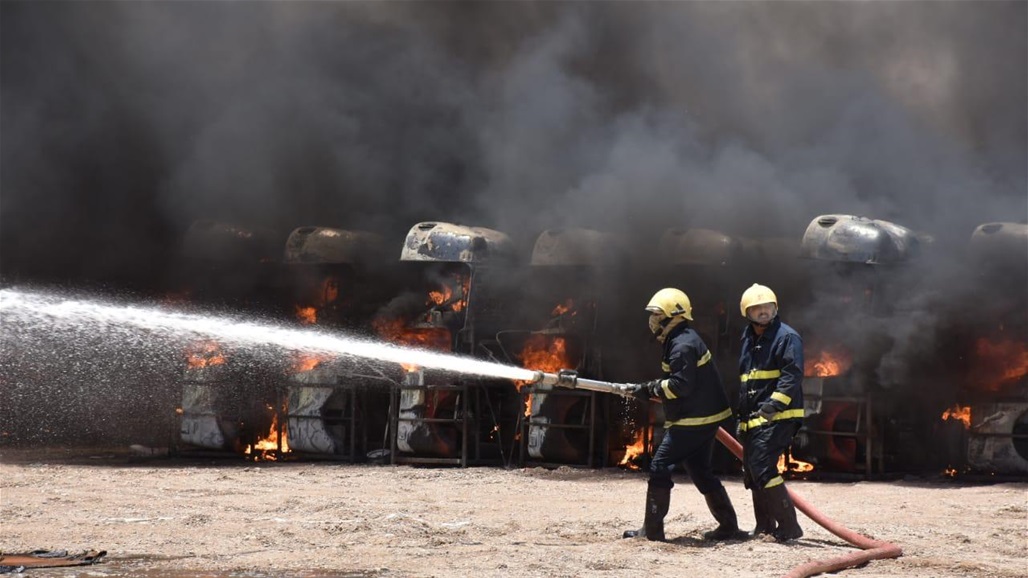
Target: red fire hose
<point>870,549</point>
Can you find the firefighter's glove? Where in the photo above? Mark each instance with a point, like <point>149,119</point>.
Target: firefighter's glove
<point>644,391</point>
<point>767,411</point>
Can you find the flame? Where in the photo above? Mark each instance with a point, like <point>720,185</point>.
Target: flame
<point>204,354</point>
<point>307,315</point>
<point>306,362</point>
<point>563,308</point>
<point>270,443</point>
<point>960,413</point>
<point>632,451</point>
<point>446,294</point>
<point>998,362</point>
<point>329,290</point>
<point>829,363</point>
<point>396,330</point>
<point>793,465</point>
<point>542,353</point>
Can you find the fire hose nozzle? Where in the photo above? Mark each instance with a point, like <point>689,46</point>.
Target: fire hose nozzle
<point>564,378</point>
<point>568,378</point>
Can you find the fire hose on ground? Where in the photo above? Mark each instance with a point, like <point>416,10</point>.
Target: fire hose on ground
<point>870,549</point>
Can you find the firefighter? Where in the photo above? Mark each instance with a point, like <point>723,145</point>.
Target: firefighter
<point>770,409</point>
<point>694,404</point>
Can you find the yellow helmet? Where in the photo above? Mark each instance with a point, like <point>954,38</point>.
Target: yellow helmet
<point>671,302</point>
<point>756,295</point>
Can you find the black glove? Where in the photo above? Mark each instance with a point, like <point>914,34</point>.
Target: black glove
<point>644,391</point>
<point>767,411</point>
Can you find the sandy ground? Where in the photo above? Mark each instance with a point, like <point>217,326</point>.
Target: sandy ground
<point>161,517</point>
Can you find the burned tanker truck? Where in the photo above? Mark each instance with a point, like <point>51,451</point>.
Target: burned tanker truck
<point>561,326</point>
<point>338,279</point>
<point>985,422</point>
<point>456,303</point>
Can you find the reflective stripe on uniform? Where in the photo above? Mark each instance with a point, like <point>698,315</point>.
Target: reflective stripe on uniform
<point>665,367</point>
<point>759,421</point>
<point>779,396</point>
<point>665,385</point>
<point>703,360</point>
<point>692,421</point>
<point>775,481</point>
<point>761,374</point>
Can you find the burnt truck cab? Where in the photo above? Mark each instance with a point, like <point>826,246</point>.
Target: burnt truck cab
<point>993,395</point>
<point>225,394</point>
<point>338,279</point>
<point>859,269</point>
<point>560,326</point>
<point>452,306</point>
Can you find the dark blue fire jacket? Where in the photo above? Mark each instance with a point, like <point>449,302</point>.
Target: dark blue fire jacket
<point>691,389</point>
<point>771,371</point>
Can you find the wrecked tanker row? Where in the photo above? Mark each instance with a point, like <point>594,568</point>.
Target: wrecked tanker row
<point>876,401</point>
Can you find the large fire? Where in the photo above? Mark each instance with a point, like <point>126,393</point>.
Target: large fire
<point>999,362</point>
<point>396,330</point>
<point>543,353</point>
<point>960,413</point>
<point>204,354</point>
<point>828,363</point>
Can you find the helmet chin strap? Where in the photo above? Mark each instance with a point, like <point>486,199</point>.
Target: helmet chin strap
<point>668,324</point>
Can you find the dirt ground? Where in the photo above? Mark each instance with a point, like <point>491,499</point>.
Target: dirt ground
<point>172,517</point>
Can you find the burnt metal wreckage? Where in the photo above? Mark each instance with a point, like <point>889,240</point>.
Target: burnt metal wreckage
<point>870,411</point>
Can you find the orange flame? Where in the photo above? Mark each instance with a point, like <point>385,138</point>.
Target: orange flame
<point>632,451</point>
<point>306,362</point>
<point>395,330</point>
<point>793,465</point>
<point>307,315</point>
<point>960,413</point>
<point>270,443</point>
<point>828,363</point>
<point>999,362</point>
<point>563,308</point>
<point>204,354</point>
<point>542,353</point>
<point>446,294</point>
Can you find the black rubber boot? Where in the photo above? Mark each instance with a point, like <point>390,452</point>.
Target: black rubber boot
<point>658,502</point>
<point>721,508</point>
<point>780,506</point>
<point>765,522</point>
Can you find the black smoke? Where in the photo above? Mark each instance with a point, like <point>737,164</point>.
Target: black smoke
<point>123,123</point>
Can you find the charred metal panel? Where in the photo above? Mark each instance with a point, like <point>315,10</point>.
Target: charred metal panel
<point>325,245</point>
<point>858,240</point>
<point>449,243</point>
<point>998,438</point>
<point>1002,243</point>
<point>698,247</point>
<point>204,422</point>
<point>577,247</point>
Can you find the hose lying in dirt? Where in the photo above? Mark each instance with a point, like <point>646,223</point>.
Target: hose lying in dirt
<point>870,549</point>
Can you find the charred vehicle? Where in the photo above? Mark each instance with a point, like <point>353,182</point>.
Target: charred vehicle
<point>850,324</point>
<point>338,280</point>
<point>559,327</point>
<point>228,399</point>
<point>454,305</point>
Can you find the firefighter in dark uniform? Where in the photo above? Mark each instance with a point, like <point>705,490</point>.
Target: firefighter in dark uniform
<point>770,409</point>
<point>694,405</point>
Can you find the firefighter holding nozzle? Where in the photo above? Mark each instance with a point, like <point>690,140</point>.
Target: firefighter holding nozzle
<point>770,409</point>
<point>695,404</point>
